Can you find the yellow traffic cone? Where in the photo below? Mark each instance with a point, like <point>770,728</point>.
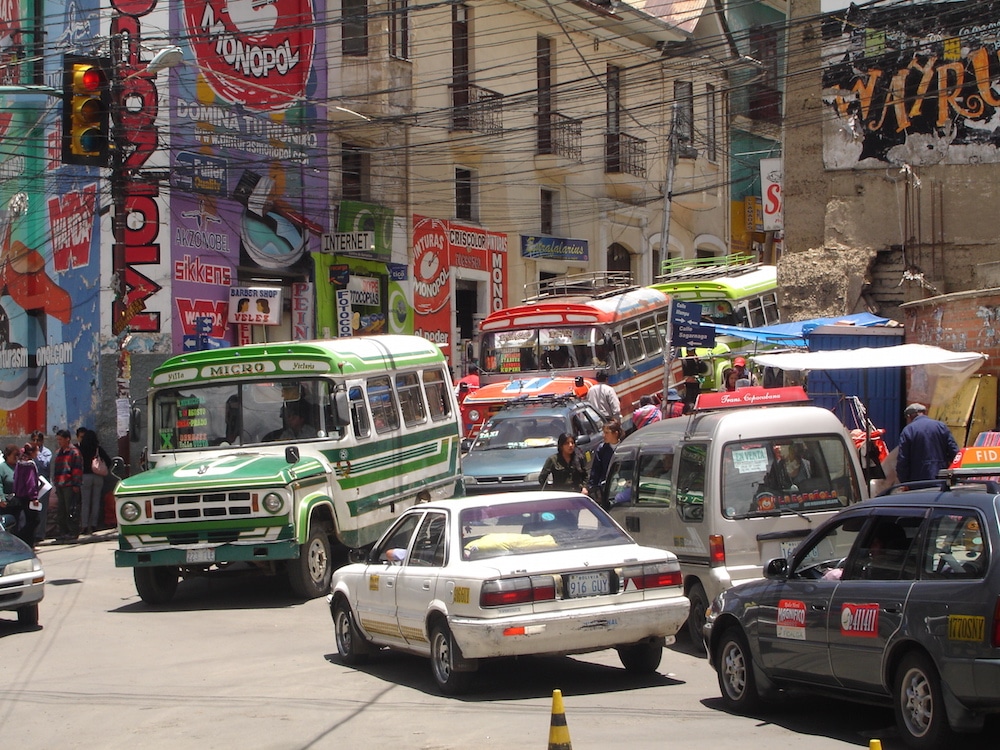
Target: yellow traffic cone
<point>874,744</point>
<point>558,731</point>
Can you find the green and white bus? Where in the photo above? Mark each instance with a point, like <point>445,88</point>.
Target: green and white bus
<point>276,454</point>
<point>733,289</point>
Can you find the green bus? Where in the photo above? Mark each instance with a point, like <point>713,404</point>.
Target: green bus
<point>277,454</point>
<point>733,289</point>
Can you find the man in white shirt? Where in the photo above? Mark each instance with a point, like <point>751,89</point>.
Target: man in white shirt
<point>604,399</point>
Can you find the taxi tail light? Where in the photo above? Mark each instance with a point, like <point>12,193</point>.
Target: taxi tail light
<point>996,624</point>
<point>716,550</point>
<point>502,592</point>
<point>653,575</point>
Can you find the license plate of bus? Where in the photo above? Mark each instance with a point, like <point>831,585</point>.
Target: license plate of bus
<point>587,584</point>
<point>201,555</point>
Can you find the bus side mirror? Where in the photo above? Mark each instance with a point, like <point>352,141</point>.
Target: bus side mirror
<point>342,408</point>
<point>134,423</point>
<point>292,454</point>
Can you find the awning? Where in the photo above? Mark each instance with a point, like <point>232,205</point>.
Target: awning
<point>794,334</point>
<point>938,360</point>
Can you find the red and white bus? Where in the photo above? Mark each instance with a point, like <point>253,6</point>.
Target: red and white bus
<point>578,325</point>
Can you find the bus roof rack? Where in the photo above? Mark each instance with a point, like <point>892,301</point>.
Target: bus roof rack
<point>594,284</point>
<point>691,269</point>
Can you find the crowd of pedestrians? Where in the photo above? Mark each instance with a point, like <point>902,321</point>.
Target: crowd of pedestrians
<point>55,496</point>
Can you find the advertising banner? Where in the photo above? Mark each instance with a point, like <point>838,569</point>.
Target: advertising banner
<point>771,196</point>
<point>255,305</point>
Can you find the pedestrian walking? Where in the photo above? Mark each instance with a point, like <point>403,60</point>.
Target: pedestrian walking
<point>43,460</point>
<point>925,446</point>
<point>612,433</point>
<point>648,412</point>
<point>67,478</point>
<point>26,494</point>
<point>8,504</point>
<point>95,469</point>
<point>604,399</point>
<point>675,405</point>
<point>565,467</point>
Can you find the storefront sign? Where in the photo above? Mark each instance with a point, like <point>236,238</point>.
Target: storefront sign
<point>554,248</point>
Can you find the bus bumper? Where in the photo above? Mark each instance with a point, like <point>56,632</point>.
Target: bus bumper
<point>203,555</point>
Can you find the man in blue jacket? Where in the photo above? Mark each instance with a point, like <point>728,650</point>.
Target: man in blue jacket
<point>925,446</point>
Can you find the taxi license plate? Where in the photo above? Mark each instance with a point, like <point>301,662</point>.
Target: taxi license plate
<point>587,584</point>
<point>201,555</point>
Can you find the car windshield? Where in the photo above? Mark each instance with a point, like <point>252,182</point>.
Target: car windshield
<point>537,526</point>
<point>787,475</point>
<point>520,431</point>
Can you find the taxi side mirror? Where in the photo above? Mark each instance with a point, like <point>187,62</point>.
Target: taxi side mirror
<point>776,568</point>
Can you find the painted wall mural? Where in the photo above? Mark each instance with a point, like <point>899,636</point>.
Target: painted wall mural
<point>916,84</point>
<point>248,164</point>
<point>49,239</point>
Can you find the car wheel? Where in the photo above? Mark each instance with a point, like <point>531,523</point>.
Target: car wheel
<point>641,658</point>
<point>735,672</point>
<point>28,615</point>
<point>156,585</point>
<point>309,575</point>
<point>696,615</point>
<point>919,703</point>
<point>351,645</point>
<point>443,653</point>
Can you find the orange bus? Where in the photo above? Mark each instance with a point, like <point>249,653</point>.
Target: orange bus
<point>577,325</point>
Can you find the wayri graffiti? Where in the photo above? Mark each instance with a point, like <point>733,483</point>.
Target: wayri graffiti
<point>918,84</point>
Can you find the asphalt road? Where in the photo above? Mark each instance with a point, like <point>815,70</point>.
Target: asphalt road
<point>235,662</point>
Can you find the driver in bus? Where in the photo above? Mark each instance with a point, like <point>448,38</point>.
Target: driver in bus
<point>295,414</point>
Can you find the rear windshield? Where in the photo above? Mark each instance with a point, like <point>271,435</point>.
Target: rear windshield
<point>537,526</point>
<point>790,475</point>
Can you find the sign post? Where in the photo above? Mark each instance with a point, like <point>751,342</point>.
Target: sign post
<point>685,329</point>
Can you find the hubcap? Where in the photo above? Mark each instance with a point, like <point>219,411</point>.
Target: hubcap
<point>344,631</point>
<point>918,705</point>
<point>734,668</point>
<point>317,561</point>
<point>442,661</point>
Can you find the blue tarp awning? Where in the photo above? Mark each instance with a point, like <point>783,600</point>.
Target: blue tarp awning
<point>793,334</point>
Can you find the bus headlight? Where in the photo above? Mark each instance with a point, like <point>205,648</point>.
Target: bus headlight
<point>474,415</point>
<point>130,511</point>
<point>273,502</point>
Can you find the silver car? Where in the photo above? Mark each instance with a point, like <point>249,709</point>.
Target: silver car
<point>22,580</point>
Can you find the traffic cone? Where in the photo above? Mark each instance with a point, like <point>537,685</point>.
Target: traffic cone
<point>874,744</point>
<point>558,731</point>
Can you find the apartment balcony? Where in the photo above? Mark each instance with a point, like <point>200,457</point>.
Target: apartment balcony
<point>560,136</point>
<point>476,109</point>
<point>624,154</point>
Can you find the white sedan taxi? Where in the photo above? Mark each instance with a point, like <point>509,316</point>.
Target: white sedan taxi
<point>507,575</point>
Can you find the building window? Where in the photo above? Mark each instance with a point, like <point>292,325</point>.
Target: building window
<point>619,258</point>
<point>711,130</point>
<point>354,164</point>
<point>547,204</point>
<point>355,28</point>
<point>399,29</point>
<point>461,78</point>
<point>543,76</point>
<point>465,195</point>
<point>684,122</point>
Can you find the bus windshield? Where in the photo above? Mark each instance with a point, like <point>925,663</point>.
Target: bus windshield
<point>197,417</point>
<point>544,349</point>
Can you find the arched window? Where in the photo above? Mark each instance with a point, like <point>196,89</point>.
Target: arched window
<point>619,258</point>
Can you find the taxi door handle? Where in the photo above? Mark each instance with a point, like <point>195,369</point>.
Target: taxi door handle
<point>389,583</point>
<point>818,607</point>
<point>426,586</point>
<point>893,609</point>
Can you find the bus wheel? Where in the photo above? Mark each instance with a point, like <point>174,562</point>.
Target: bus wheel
<point>310,575</point>
<point>156,585</point>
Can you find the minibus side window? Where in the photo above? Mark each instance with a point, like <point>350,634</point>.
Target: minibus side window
<point>436,391</point>
<point>691,482</point>
<point>619,483</point>
<point>359,412</point>
<point>656,478</point>
<point>408,387</point>
<point>383,402</point>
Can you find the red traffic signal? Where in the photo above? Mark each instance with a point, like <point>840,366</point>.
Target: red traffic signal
<point>86,110</point>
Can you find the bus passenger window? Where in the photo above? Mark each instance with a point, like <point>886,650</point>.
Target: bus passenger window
<point>633,344</point>
<point>383,403</point>
<point>436,391</point>
<point>691,483</point>
<point>410,400</point>
<point>359,413</point>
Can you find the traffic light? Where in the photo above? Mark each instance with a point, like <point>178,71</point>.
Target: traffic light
<point>86,111</point>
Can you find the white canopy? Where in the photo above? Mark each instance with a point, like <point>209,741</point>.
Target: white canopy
<point>938,360</point>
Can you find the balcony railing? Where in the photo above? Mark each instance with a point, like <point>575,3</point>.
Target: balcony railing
<point>560,135</point>
<point>475,108</point>
<point>624,154</point>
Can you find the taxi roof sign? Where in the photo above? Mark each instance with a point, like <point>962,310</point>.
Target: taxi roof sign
<point>977,459</point>
<point>752,396</point>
